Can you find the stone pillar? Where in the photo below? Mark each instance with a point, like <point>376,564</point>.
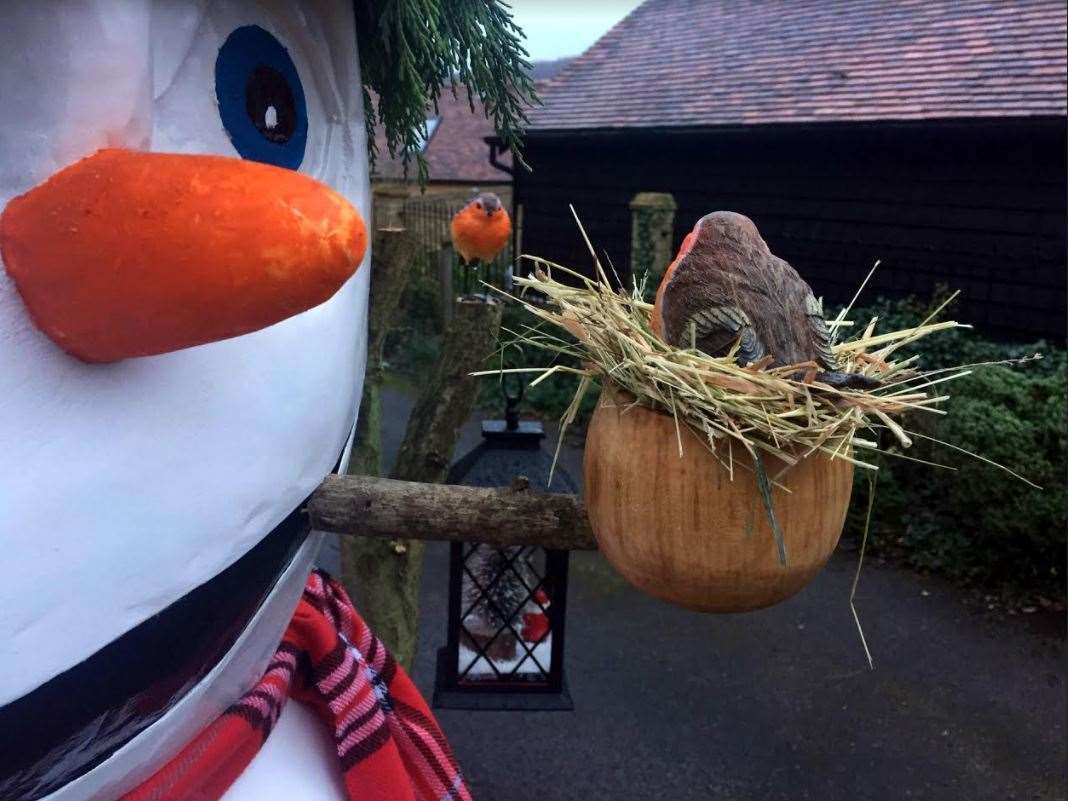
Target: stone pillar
<point>651,234</point>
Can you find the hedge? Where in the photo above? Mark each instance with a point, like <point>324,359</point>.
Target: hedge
<point>978,523</point>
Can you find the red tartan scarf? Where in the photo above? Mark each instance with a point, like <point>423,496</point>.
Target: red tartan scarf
<point>388,743</point>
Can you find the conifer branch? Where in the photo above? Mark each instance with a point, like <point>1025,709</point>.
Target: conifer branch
<point>411,49</point>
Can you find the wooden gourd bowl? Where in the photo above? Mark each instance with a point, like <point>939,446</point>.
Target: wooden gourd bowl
<point>680,529</point>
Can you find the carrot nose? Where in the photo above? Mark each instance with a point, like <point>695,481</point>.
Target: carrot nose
<point>128,254</point>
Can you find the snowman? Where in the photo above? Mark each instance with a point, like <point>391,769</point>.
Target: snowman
<point>184,206</point>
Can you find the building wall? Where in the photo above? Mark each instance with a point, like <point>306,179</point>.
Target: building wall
<point>979,207</point>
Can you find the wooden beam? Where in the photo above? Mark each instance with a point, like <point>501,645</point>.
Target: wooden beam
<point>381,507</point>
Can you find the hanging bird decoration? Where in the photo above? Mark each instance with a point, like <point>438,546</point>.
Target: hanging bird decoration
<point>725,287</point>
<point>480,230</point>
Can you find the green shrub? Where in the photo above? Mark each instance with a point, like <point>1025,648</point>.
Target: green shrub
<point>549,399</point>
<point>978,523</point>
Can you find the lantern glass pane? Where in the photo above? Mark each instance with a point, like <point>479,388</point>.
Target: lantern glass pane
<point>505,631</point>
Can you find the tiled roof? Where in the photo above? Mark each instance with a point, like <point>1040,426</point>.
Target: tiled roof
<point>743,62</point>
<point>456,150</point>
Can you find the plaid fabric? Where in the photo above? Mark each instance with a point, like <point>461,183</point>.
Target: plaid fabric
<point>389,745</point>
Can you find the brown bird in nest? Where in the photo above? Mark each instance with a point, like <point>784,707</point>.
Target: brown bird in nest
<point>725,286</point>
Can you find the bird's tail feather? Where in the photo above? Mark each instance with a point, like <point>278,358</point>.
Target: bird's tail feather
<point>847,380</point>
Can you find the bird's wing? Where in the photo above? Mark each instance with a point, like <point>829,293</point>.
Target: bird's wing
<point>819,334</point>
<point>797,330</point>
<point>716,328</point>
<point>459,237</point>
<point>696,315</point>
<point>699,308</point>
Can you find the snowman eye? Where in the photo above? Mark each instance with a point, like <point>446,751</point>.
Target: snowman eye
<point>261,98</point>
<point>270,106</point>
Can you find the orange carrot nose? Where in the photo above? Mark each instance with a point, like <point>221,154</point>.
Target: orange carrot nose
<point>132,254</point>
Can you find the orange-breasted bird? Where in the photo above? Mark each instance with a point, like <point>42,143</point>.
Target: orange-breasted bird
<point>480,230</point>
<point>726,286</point>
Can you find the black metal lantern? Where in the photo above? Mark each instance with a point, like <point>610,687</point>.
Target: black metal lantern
<point>505,643</point>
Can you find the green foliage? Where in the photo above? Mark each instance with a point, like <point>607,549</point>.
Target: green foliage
<point>410,49</point>
<point>978,523</point>
<point>549,399</point>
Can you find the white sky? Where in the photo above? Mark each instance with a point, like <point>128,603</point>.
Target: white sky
<point>557,28</point>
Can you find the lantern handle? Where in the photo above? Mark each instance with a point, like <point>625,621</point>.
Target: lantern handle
<point>512,401</point>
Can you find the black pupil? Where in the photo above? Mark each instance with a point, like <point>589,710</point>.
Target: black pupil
<point>269,104</point>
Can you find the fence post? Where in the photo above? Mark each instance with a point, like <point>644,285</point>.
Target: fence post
<point>651,234</point>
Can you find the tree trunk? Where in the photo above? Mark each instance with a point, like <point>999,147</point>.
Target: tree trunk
<point>391,259</point>
<point>382,575</point>
<point>425,455</point>
<point>447,399</point>
<point>362,559</point>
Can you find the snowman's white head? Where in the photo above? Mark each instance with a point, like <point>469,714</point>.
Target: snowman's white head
<point>124,485</point>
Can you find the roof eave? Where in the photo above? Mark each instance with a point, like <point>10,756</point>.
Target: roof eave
<point>735,128</point>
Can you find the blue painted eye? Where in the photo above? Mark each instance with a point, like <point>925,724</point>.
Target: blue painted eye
<point>261,99</point>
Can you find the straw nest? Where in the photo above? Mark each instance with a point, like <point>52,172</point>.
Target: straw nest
<point>753,409</point>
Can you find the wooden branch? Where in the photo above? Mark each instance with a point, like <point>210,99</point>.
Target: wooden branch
<point>381,507</point>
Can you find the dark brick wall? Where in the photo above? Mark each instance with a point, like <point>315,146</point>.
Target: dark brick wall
<point>978,206</point>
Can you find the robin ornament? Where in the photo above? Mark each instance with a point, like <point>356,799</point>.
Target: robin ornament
<point>480,230</point>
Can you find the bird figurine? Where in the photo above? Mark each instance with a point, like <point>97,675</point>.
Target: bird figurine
<point>725,287</point>
<point>481,229</point>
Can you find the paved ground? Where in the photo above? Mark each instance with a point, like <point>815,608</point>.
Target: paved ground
<point>777,704</point>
